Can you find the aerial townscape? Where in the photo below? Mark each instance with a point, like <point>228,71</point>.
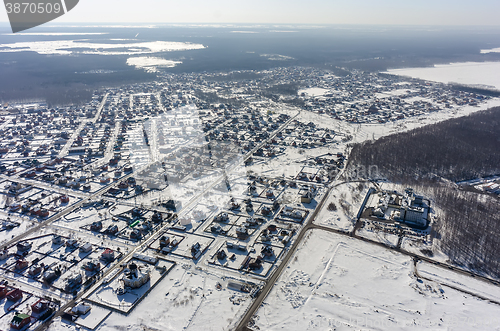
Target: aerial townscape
<point>203,194</point>
<point>249,166</point>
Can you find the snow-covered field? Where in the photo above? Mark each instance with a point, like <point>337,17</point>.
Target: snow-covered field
<point>342,206</point>
<point>454,279</point>
<point>338,283</point>
<point>314,91</point>
<point>187,299</point>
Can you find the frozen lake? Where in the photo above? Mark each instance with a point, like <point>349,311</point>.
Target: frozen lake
<point>481,74</point>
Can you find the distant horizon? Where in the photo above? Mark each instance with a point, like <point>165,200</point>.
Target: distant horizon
<point>312,12</point>
<point>55,24</point>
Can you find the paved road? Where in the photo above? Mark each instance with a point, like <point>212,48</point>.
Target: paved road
<point>75,134</point>
<point>145,243</point>
<point>412,255</point>
<point>43,185</point>
<point>482,297</point>
<point>99,110</point>
<point>243,325</point>
<point>271,280</point>
<point>64,212</point>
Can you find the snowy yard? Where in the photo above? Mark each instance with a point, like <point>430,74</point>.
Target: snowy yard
<point>339,283</point>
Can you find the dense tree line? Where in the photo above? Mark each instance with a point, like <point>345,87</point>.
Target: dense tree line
<point>473,89</point>
<point>428,158</point>
<point>456,149</point>
<point>282,89</point>
<point>468,224</point>
<point>213,98</point>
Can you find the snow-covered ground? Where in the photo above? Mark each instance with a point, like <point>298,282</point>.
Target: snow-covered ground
<point>363,132</point>
<point>314,91</point>
<point>491,50</point>
<point>333,281</point>
<point>375,131</point>
<point>186,299</point>
<point>151,64</point>
<point>389,239</point>
<point>338,283</point>
<point>342,206</point>
<point>68,47</point>
<point>454,279</point>
<point>468,73</point>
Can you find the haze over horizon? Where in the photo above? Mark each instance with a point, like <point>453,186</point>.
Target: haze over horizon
<point>383,12</point>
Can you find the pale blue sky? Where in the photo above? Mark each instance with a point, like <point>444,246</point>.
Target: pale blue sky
<point>415,12</point>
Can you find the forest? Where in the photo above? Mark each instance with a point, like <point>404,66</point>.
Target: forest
<point>456,149</point>
<point>431,159</point>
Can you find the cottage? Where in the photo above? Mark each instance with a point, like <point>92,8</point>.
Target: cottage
<point>255,263</point>
<point>35,269</point>
<point>3,291</point>
<point>222,217</point>
<point>195,248</point>
<point>96,226</point>
<point>87,247</point>
<point>242,233</point>
<point>164,241</point>
<point>92,266</point>
<point>266,211</point>
<point>135,234</point>
<point>108,255</point>
<point>72,242</point>
<point>112,230</point>
<point>267,251</point>
<point>306,197</point>
<point>43,213</point>
<point>14,207</point>
<point>221,255</point>
<point>19,321</point>
<point>136,275</point>
<point>157,217</point>
<point>57,240</point>
<point>40,306</point>
<point>23,246</point>
<point>51,274</point>
<point>136,212</point>
<point>4,253</point>
<point>72,281</point>
<point>21,264</point>
<point>80,309</point>
<point>15,295</point>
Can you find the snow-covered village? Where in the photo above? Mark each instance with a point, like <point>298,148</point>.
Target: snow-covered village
<point>222,201</point>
